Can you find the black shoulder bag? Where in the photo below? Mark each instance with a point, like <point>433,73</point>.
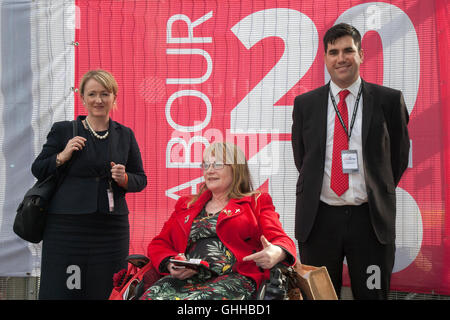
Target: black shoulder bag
<point>29,223</point>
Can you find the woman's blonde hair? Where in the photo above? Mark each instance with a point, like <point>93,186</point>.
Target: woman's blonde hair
<point>230,154</point>
<point>103,77</point>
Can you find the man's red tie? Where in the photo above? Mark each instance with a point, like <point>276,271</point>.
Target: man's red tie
<point>339,180</point>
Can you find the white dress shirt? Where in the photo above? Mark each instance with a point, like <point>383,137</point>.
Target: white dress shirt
<point>356,193</point>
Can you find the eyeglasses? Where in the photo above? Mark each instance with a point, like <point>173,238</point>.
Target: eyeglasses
<point>216,166</point>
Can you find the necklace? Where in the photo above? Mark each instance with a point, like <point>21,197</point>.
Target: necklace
<point>215,207</point>
<point>95,134</point>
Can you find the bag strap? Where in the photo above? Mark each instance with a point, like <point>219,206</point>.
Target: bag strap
<point>63,173</point>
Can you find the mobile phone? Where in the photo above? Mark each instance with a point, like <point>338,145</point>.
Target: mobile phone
<point>191,263</point>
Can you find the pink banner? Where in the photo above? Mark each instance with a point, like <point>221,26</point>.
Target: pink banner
<point>192,72</point>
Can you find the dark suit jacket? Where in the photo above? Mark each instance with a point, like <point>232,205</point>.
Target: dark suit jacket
<point>385,147</point>
<point>84,188</point>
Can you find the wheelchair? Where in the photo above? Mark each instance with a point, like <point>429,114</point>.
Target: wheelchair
<point>131,283</point>
<point>300,282</point>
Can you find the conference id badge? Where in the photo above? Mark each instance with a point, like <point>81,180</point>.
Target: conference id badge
<point>110,193</point>
<point>349,161</point>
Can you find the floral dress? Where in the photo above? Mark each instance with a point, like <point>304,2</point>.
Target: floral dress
<point>218,282</point>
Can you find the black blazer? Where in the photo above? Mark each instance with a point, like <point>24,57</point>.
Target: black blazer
<point>84,187</point>
<point>385,147</point>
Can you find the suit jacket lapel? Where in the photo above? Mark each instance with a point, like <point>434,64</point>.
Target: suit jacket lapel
<point>114,141</point>
<point>322,107</point>
<point>367,111</point>
<point>186,219</point>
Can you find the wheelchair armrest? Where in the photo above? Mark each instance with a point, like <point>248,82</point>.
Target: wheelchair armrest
<point>276,287</point>
<point>138,260</point>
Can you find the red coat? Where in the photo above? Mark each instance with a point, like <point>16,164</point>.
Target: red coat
<point>238,227</point>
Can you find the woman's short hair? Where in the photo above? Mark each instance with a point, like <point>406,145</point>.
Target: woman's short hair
<point>103,77</point>
<point>230,154</point>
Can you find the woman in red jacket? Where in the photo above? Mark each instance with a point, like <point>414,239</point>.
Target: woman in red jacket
<point>233,230</point>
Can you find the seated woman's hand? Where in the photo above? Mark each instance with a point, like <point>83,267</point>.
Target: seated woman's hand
<point>180,272</point>
<point>268,257</point>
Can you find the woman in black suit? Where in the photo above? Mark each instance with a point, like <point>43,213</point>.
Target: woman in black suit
<point>86,239</point>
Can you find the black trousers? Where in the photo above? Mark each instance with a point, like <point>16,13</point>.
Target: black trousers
<point>346,231</point>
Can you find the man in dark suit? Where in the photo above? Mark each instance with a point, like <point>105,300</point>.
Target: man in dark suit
<point>351,149</point>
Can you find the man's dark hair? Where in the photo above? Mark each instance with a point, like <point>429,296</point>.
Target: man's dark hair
<point>341,30</point>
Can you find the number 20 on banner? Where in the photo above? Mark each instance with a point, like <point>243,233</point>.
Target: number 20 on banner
<point>300,37</point>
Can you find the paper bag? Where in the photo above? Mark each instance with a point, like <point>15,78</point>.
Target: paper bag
<point>314,282</point>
